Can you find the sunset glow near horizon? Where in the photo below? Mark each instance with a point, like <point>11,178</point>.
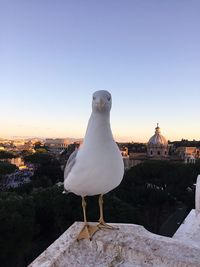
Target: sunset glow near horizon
<point>55,54</point>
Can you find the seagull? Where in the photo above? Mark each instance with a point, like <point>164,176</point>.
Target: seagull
<point>97,166</point>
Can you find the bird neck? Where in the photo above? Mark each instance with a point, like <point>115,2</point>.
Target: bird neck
<point>98,129</point>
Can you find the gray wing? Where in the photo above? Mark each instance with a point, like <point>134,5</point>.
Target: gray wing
<point>70,163</point>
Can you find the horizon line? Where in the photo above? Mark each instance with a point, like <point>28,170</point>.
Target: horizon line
<point>117,139</point>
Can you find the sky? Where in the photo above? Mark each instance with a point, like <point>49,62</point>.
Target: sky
<point>55,54</point>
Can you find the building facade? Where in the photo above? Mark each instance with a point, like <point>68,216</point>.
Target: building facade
<point>188,154</point>
<point>157,146</point>
<point>56,145</point>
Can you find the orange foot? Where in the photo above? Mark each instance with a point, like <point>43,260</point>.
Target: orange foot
<point>103,225</point>
<point>87,232</point>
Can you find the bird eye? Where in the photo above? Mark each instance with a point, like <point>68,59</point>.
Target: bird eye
<point>109,98</point>
<point>94,97</point>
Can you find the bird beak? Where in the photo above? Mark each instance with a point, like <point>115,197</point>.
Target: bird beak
<point>100,104</point>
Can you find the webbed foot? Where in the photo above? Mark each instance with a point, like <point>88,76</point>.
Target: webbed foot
<point>87,232</point>
<point>103,225</point>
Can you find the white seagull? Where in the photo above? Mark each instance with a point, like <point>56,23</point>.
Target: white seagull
<point>97,167</point>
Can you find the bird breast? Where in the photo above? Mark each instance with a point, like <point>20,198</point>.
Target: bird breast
<point>98,170</point>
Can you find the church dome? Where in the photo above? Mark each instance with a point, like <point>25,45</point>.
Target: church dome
<point>157,139</point>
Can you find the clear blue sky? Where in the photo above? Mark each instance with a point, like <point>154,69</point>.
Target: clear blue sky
<point>55,53</point>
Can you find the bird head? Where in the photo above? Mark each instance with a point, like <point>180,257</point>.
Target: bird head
<point>101,101</point>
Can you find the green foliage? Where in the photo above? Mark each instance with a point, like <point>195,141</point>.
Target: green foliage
<point>156,187</point>
<point>39,158</point>
<point>48,170</point>
<point>37,145</point>
<point>7,168</point>
<point>25,188</point>
<point>186,143</point>
<point>17,222</point>
<point>6,155</point>
<point>41,181</point>
<point>40,148</point>
<point>135,147</point>
<point>51,171</point>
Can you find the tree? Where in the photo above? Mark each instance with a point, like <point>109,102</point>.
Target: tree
<point>156,188</point>
<point>7,168</point>
<point>17,225</point>
<point>6,155</point>
<point>39,158</point>
<point>40,148</point>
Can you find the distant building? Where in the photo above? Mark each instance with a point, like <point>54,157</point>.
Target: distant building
<point>125,156</point>
<point>19,162</point>
<point>188,154</point>
<point>19,145</point>
<point>56,145</point>
<point>137,158</point>
<point>157,147</point>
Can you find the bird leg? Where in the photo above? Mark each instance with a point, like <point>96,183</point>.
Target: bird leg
<point>102,223</point>
<point>88,230</point>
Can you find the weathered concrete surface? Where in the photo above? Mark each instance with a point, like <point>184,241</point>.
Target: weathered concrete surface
<point>189,231</point>
<point>197,195</point>
<point>129,246</point>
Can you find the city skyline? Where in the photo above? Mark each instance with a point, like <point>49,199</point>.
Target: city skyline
<point>55,55</point>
